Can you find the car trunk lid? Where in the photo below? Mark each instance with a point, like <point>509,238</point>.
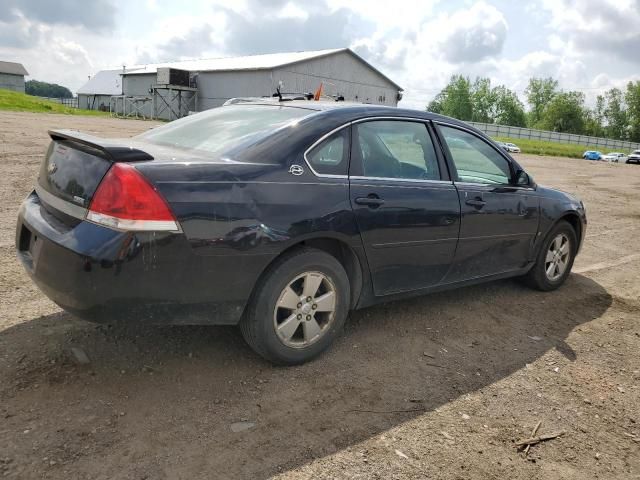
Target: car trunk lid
<point>72,169</point>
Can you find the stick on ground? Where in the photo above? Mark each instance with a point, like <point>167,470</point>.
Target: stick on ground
<point>533,434</point>
<point>541,438</point>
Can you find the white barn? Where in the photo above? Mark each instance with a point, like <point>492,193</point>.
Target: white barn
<point>97,92</point>
<point>214,81</point>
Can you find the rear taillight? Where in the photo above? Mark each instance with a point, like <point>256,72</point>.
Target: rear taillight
<point>125,200</point>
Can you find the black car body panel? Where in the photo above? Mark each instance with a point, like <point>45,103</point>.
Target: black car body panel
<point>239,211</point>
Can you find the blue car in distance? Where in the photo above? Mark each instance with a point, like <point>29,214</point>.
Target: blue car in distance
<point>592,155</point>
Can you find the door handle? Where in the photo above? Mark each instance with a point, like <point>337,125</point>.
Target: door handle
<point>476,202</point>
<point>372,201</point>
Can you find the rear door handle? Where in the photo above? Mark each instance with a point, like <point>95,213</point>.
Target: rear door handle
<point>476,202</point>
<point>372,200</point>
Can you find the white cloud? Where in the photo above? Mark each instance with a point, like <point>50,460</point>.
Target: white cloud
<point>586,44</point>
<point>470,35</point>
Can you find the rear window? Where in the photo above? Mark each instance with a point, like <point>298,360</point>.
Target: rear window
<point>219,129</point>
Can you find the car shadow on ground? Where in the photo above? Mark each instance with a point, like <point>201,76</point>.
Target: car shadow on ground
<point>171,402</point>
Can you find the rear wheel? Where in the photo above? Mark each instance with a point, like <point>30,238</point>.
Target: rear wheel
<point>555,258</point>
<point>298,308</point>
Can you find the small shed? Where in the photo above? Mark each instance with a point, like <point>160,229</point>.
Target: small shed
<point>12,76</point>
<point>97,92</point>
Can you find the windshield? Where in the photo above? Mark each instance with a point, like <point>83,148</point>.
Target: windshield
<point>219,129</point>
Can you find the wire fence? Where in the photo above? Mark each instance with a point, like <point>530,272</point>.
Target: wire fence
<point>517,132</point>
<point>69,102</point>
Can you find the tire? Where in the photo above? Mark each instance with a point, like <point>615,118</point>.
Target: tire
<point>538,277</point>
<point>288,334</point>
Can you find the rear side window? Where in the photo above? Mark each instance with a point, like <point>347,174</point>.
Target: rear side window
<point>331,156</point>
<point>475,160</point>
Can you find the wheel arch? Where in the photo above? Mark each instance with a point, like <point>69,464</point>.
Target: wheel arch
<point>573,219</point>
<point>337,248</point>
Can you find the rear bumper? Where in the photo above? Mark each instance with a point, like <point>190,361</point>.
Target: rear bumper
<point>109,276</point>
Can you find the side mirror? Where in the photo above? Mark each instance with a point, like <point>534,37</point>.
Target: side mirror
<point>523,179</point>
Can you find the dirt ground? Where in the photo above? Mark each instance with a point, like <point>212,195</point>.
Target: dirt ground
<point>436,387</point>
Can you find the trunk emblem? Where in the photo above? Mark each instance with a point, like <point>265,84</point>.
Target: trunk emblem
<point>296,170</point>
<point>52,168</point>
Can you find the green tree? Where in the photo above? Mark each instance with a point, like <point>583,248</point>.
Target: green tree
<point>615,114</point>
<point>44,89</point>
<point>454,100</point>
<point>632,99</point>
<point>509,110</point>
<point>565,113</point>
<point>594,119</point>
<point>539,93</point>
<point>483,98</point>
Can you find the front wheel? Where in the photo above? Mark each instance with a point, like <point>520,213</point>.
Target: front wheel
<point>298,308</point>
<point>555,259</point>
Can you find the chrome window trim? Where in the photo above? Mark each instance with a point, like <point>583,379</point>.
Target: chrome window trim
<point>411,119</point>
<point>493,185</point>
<point>62,205</point>
<point>463,127</point>
<point>410,180</point>
<point>424,121</point>
<point>500,151</point>
<point>318,142</point>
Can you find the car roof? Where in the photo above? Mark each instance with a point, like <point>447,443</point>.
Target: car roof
<point>351,109</point>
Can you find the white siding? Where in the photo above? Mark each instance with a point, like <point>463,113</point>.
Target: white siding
<point>12,82</point>
<point>93,102</point>
<point>340,73</point>
<point>138,86</point>
<point>215,88</point>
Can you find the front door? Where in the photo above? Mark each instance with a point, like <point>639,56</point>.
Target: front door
<point>499,219</point>
<point>406,208</point>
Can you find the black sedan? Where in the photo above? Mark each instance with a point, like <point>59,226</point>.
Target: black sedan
<point>284,216</point>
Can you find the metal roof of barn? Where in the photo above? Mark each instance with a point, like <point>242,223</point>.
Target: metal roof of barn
<point>249,62</point>
<point>105,82</point>
<point>12,68</point>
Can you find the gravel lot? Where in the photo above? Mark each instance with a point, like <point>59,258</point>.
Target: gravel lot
<point>436,387</point>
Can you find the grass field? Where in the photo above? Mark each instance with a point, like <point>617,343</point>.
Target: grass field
<point>540,147</point>
<point>19,102</point>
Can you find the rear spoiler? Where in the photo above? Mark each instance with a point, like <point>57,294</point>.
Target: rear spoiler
<point>115,151</point>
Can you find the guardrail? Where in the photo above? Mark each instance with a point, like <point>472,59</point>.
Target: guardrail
<point>494,130</point>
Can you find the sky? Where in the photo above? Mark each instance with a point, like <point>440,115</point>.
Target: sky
<point>587,45</point>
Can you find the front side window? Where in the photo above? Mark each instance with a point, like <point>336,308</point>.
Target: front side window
<point>395,149</point>
<point>331,157</point>
<point>474,159</point>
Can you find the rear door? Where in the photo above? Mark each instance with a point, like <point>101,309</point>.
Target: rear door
<point>406,206</point>
<point>499,220</point>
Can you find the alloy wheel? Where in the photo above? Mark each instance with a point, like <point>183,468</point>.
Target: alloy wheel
<point>558,256</point>
<point>305,310</point>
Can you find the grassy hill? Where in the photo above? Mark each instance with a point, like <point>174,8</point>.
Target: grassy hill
<point>19,102</point>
